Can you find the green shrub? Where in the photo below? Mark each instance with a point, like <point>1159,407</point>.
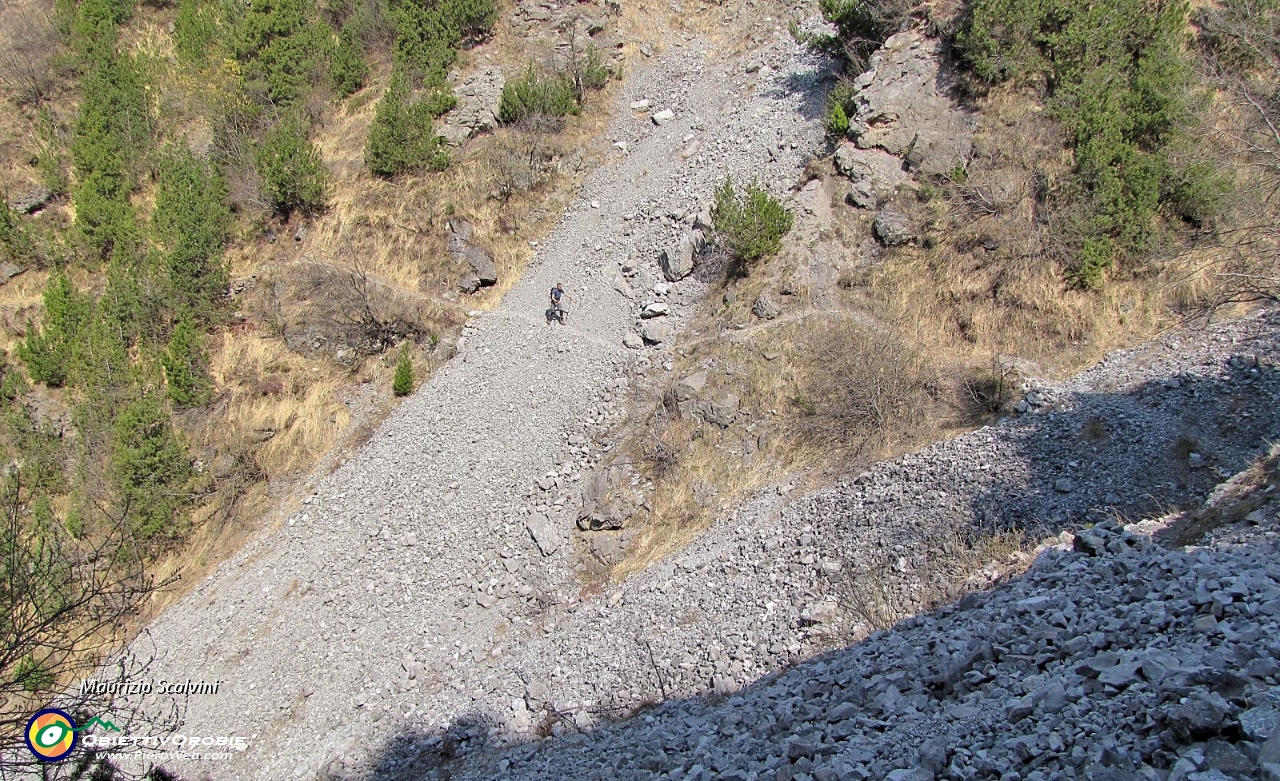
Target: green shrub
<point>534,94</point>
<point>839,107</point>
<point>861,26</point>
<point>587,71</point>
<point>30,675</point>
<point>184,363</point>
<point>1117,79</point>
<point>191,224</point>
<point>429,33</point>
<point>469,20</point>
<point>15,241</point>
<point>47,352</point>
<point>293,174</point>
<point>837,122</point>
<point>36,448</point>
<point>100,360</point>
<point>149,467</point>
<point>1094,258</point>
<point>95,27</point>
<point>195,29</point>
<point>49,155</point>
<point>279,43</point>
<point>401,138</point>
<point>137,301</point>
<point>752,222</point>
<point>1196,192</point>
<point>349,69</point>
<point>112,135</point>
<point>402,385</point>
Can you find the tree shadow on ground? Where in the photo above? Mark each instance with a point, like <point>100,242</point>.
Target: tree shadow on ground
<point>1125,454</point>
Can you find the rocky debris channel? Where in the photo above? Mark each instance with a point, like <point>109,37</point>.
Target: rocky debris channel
<point>422,611</point>
<point>388,603</point>
<point>1113,660</point>
<point>781,580</point>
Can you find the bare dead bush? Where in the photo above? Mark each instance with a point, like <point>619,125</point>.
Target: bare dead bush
<point>664,441</point>
<point>867,385</point>
<point>356,301</point>
<point>878,594</point>
<point>1240,48</point>
<point>521,159</point>
<point>989,389</point>
<point>67,601</point>
<point>28,52</point>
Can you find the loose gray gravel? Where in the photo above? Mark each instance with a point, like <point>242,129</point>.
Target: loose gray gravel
<point>389,601</point>
<point>421,614</point>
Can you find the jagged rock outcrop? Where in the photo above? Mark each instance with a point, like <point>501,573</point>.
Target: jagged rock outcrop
<point>477,110</point>
<point>904,108</point>
<point>483,272</point>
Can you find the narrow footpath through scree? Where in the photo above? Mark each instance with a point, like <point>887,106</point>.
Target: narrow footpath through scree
<point>379,608</point>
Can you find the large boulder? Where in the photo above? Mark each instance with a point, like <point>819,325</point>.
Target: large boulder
<point>903,106</point>
<point>483,271</point>
<point>482,264</point>
<point>543,532</point>
<point>677,261</point>
<point>598,512</point>
<point>655,332</point>
<point>875,174</point>
<point>893,226</point>
<point>655,309</point>
<point>477,109</point>
<point>722,410</point>
<point>32,201</point>
<point>765,308</point>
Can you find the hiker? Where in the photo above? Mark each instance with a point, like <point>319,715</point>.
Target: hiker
<point>558,310</point>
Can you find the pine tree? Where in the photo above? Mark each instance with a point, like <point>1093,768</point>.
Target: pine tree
<point>402,385</point>
<point>149,466</point>
<point>48,351</point>
<point>350,71</point>
<point>191,224</point>
<point>112,133</point>
<point>184,366</point>
<point>279,44</point>
<point>401,138</point>
<point>290,166</point>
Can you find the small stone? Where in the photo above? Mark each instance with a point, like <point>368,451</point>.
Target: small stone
<point>663,117</point>
<point>544,534</point>
<point>632,341</point>
<point>1064,485</point>
<point>765,308</point>
<point>655,332</point>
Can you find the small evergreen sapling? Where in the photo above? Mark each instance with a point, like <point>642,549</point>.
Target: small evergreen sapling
<point>402,385</point>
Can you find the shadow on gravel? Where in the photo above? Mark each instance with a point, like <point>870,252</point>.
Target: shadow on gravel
<point>811,85</point>
<point>1162,445</point>
<point>980,677</point>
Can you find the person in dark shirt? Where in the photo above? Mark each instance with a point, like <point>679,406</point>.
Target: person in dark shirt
<point>558,298</point>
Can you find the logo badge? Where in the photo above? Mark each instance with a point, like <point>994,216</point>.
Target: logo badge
<point>51,735</point>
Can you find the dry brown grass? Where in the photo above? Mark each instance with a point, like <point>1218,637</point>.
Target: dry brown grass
<point>950,317</point>
<point>952,566</point>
